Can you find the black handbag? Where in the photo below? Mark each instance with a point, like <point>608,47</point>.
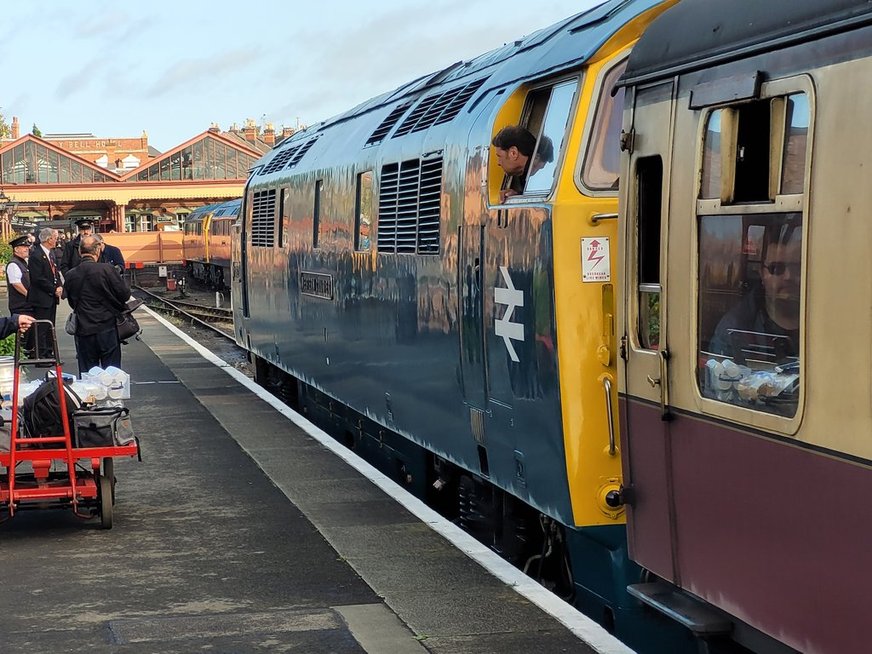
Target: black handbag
<point>127,326</point>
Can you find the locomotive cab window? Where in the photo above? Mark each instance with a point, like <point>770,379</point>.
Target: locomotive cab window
<point>750,251</point>
<point>528,157</point>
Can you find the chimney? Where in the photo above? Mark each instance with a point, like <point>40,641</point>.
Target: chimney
<point>269,135</point>
<point>287,132</point>
<point>16,128</point>
<point>250,131</point>
<point>214,128</point>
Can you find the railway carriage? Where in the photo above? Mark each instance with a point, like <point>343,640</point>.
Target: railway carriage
<point>463,344</point>
<point>745,373</point>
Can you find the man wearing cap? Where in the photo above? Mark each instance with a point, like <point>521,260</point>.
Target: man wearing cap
<point>18,281</point>
<point>71,257</point>
<point>18,276</point>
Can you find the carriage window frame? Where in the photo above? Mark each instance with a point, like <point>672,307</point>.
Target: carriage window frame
<point>777,207</point>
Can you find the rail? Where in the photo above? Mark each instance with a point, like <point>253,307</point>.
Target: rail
<point>197,313</point>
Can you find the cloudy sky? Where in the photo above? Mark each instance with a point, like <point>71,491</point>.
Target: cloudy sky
<point>172,68</point>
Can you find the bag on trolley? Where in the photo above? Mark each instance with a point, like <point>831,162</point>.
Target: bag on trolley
<point>41,410</point>
<point>102,427</point>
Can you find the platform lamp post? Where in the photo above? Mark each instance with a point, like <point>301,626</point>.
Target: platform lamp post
<point>6,208</point>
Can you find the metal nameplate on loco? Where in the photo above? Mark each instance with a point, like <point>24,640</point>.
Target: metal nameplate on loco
<point>316,285</point>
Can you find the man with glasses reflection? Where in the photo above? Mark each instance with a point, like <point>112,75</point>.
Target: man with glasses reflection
<point>765,324</point>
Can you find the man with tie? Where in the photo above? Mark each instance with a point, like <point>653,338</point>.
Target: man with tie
<point>46,287</point>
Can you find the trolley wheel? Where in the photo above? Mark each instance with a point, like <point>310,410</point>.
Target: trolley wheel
<point>105,502</point>
<point>109,471</point>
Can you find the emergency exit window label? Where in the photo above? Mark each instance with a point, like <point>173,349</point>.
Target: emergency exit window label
<point>595,260</point>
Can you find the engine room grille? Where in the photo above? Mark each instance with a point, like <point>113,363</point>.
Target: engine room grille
<point>387,124</point>
<point>409,207</point>
<point>278,162</point>
<point>263,219</point>
<point>290,156</point>
<point>438,108</point>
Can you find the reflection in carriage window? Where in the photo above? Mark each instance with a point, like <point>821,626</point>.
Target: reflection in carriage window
<point>750,272</point>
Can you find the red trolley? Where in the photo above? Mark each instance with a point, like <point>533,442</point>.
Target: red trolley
<point>49,471</point>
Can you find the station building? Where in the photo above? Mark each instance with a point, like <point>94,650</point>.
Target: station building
<point>122,184</point>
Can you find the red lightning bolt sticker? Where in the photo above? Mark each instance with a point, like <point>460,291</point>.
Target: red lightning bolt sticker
<point>595,260</point>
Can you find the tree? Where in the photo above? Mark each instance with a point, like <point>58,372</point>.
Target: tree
<point>36,131</point>
<point>5,130</point>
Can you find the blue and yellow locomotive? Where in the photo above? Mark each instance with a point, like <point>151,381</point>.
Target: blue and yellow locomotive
<point>463,342</point>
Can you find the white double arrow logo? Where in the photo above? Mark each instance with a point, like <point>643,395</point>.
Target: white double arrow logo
<point>504,327</point>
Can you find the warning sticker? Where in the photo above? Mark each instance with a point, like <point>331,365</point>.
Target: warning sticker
<point>595,260</point>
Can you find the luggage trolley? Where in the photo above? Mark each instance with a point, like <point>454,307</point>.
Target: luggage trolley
<point>59,474</point>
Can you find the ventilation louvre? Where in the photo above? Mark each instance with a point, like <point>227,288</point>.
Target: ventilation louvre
<point>263,219</point>
<point>438,108</point>
<point>387,124</point>
<point>289,157</point>
<point>409,208</point>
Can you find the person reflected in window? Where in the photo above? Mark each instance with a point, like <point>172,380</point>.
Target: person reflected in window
<point>766,320</point>
<point>514,146</point>
<point>544,155</point>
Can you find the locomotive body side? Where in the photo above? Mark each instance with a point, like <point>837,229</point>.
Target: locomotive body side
<point>465,345</point>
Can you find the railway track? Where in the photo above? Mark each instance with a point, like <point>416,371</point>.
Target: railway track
<point>212,318</point>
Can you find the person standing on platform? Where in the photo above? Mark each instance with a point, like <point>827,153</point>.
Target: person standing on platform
<point>46,286</point>
<point>71,257</point>
<point>98,295</point>
<point>111,254</point>
<point>18,281</point>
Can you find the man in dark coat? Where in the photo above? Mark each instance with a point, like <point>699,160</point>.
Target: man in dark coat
<point>98,295</point>
<point>46,286</point>
<point>71,257</point>
<point>111,255</point>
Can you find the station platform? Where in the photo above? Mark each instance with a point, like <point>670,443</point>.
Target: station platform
<point>246,529</point>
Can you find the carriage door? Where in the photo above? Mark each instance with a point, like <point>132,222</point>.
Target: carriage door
<point>645,401</point>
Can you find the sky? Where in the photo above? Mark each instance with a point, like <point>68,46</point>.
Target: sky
<point>173,68</point>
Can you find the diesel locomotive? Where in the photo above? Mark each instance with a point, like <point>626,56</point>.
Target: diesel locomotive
<point>465,343</point>
<point>206,242</point>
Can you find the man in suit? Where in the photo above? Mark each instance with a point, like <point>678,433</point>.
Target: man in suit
<point>98,295</point>
<point>46,286</point>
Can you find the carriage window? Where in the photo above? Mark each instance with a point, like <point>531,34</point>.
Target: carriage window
<point>363,227</point>
<point>649,182</point>
<point>750,273</point>
<point>602,163</point>
<point>711,158</point>
<point>756,150</point>
<point>549,142</point>
<point>795,143</point>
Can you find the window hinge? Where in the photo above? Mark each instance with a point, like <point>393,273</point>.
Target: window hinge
<point>628,140</point>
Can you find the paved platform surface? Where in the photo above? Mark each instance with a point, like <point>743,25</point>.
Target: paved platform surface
<point>240,533</point>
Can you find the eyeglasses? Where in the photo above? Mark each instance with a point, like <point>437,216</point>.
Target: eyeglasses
<point>778,268</point>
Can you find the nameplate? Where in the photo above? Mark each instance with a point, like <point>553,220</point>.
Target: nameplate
<point>316,285</point>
